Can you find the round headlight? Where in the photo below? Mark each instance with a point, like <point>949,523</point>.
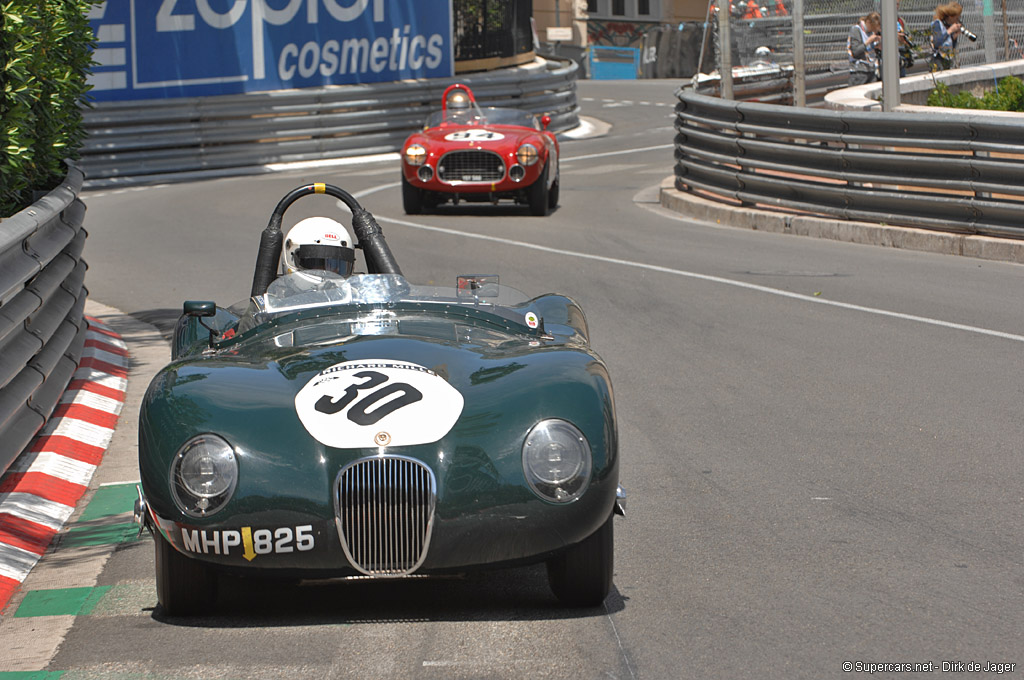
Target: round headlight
<point>203,475</point>
<point>415,154</point>
<point>527,154</point>
<point>557,461</point>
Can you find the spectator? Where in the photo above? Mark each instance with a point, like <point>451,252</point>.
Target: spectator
<point>903,42</point>
<point>946,29</point>
<point>753,10</point>
<point>863,45</point>
<point>763,58</point>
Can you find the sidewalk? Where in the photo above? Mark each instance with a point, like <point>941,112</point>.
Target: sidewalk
<point>867,233</point>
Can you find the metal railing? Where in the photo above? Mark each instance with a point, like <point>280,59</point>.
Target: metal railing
<point>952,172</point>
<point>492,28</point>
<point>42,299</point>
<point>148,140</point>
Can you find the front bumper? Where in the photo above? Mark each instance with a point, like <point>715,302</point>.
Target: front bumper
<point>296,545</point>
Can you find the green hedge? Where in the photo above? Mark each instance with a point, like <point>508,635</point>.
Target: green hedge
<point>1008,96</point>
<point>45,53</point>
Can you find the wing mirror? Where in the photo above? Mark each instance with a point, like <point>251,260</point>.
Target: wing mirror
<point>545,120</point>
<point>477,286</point>
<point>202,309</point>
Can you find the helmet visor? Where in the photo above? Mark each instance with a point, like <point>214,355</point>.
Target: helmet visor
<point>330,258</point>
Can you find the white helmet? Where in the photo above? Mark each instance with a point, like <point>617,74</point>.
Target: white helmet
<point>458,99</point>
<point>318,243</point>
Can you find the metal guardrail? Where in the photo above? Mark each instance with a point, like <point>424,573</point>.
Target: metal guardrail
<point>774,84</point>
<point>950,172</point>
<point>138,141</point>
<point>42,299</point>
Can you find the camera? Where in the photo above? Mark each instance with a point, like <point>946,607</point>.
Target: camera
<point>970,36</point>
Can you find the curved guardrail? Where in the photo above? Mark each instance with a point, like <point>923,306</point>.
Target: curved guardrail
<point>42,299</point>
<point>952,172</point>
<point>144,140</point>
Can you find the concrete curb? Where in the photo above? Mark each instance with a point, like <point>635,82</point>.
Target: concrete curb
<point>867,233</point>
<point>32,642</point>
<point>41,489</point>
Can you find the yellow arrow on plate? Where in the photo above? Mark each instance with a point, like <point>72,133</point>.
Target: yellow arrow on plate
<point>249,553</point>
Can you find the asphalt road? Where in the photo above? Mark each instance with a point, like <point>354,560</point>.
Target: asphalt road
<point>821,441</point>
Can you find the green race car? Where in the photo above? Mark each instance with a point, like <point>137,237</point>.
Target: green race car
<point>357,425</point>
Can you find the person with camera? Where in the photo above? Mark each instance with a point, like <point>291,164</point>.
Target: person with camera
<point>946,31</point>
<point>864,44</point>
<point>904,43</point>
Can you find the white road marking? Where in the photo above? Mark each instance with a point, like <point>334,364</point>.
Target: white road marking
<point>563,161</point>
<point>612,167</point>
<point>622,650</point>
<point>711,279</point>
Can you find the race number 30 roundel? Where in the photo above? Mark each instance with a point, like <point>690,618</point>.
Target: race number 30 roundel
<point>377,402</point>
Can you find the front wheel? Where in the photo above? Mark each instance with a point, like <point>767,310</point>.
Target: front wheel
<point>412,198</point>
<point>553,193</point>
<point>582,575</point>
<point>538,194</point>
<point>184,586</point>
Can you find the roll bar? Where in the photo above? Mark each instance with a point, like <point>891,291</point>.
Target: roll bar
<point>368,233</point>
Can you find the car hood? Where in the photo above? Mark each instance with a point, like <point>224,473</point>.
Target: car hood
<point>480,136</point>
<point>331,397</point>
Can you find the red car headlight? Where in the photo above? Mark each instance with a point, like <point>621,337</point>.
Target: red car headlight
<point>415,154</point>
<point>527,154</point>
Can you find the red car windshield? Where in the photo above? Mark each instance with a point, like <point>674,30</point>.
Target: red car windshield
<point>488,115</point>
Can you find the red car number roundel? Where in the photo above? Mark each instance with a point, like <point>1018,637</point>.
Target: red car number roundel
<point>474,136</point>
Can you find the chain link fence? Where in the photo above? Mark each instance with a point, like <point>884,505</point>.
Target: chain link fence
<point>769,23</point>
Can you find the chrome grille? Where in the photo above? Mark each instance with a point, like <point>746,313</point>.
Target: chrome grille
<point>471,166</point>
<point>384,511</point>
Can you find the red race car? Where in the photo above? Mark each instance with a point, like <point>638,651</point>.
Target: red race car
<point>480,154</point>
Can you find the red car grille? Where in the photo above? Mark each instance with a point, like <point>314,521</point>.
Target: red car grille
<point>471,166</point>
<point>384,510</point>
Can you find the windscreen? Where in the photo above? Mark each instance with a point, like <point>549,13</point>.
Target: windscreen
<point>487,115</point>
<point>322,289</point>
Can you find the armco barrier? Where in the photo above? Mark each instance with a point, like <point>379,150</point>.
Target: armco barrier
<point>960,173</point>
<point>143,140</point>
<point>42,298</point>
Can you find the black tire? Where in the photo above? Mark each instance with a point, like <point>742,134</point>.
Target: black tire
<point>184,586</point>
<point>553,193</point>
<point>412,198</point>
<point>538,194</point>
<point>582,575</point>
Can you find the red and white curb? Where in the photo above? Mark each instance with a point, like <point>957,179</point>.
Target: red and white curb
<point>39,491</point>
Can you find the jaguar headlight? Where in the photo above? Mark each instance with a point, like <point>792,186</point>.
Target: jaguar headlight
<point>203,475</point>
<point>527,155</point>
<point>416,154</point>
<point>557,461</point>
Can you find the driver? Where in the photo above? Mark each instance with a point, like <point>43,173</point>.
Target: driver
<point>315,244</point>
<point>459,107</point>
<point>318,243</point>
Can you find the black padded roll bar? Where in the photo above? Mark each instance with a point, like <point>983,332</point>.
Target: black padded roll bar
<point>369,236</point>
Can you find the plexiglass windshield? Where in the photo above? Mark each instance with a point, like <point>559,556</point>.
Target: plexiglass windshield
<point>318,289</point>
<point>487,115</point>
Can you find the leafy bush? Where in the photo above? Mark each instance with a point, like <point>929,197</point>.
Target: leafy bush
<point>45,56</point>
<point>1008,96</point>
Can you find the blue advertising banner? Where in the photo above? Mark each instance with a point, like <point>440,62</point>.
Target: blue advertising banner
<point>153,49</point>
